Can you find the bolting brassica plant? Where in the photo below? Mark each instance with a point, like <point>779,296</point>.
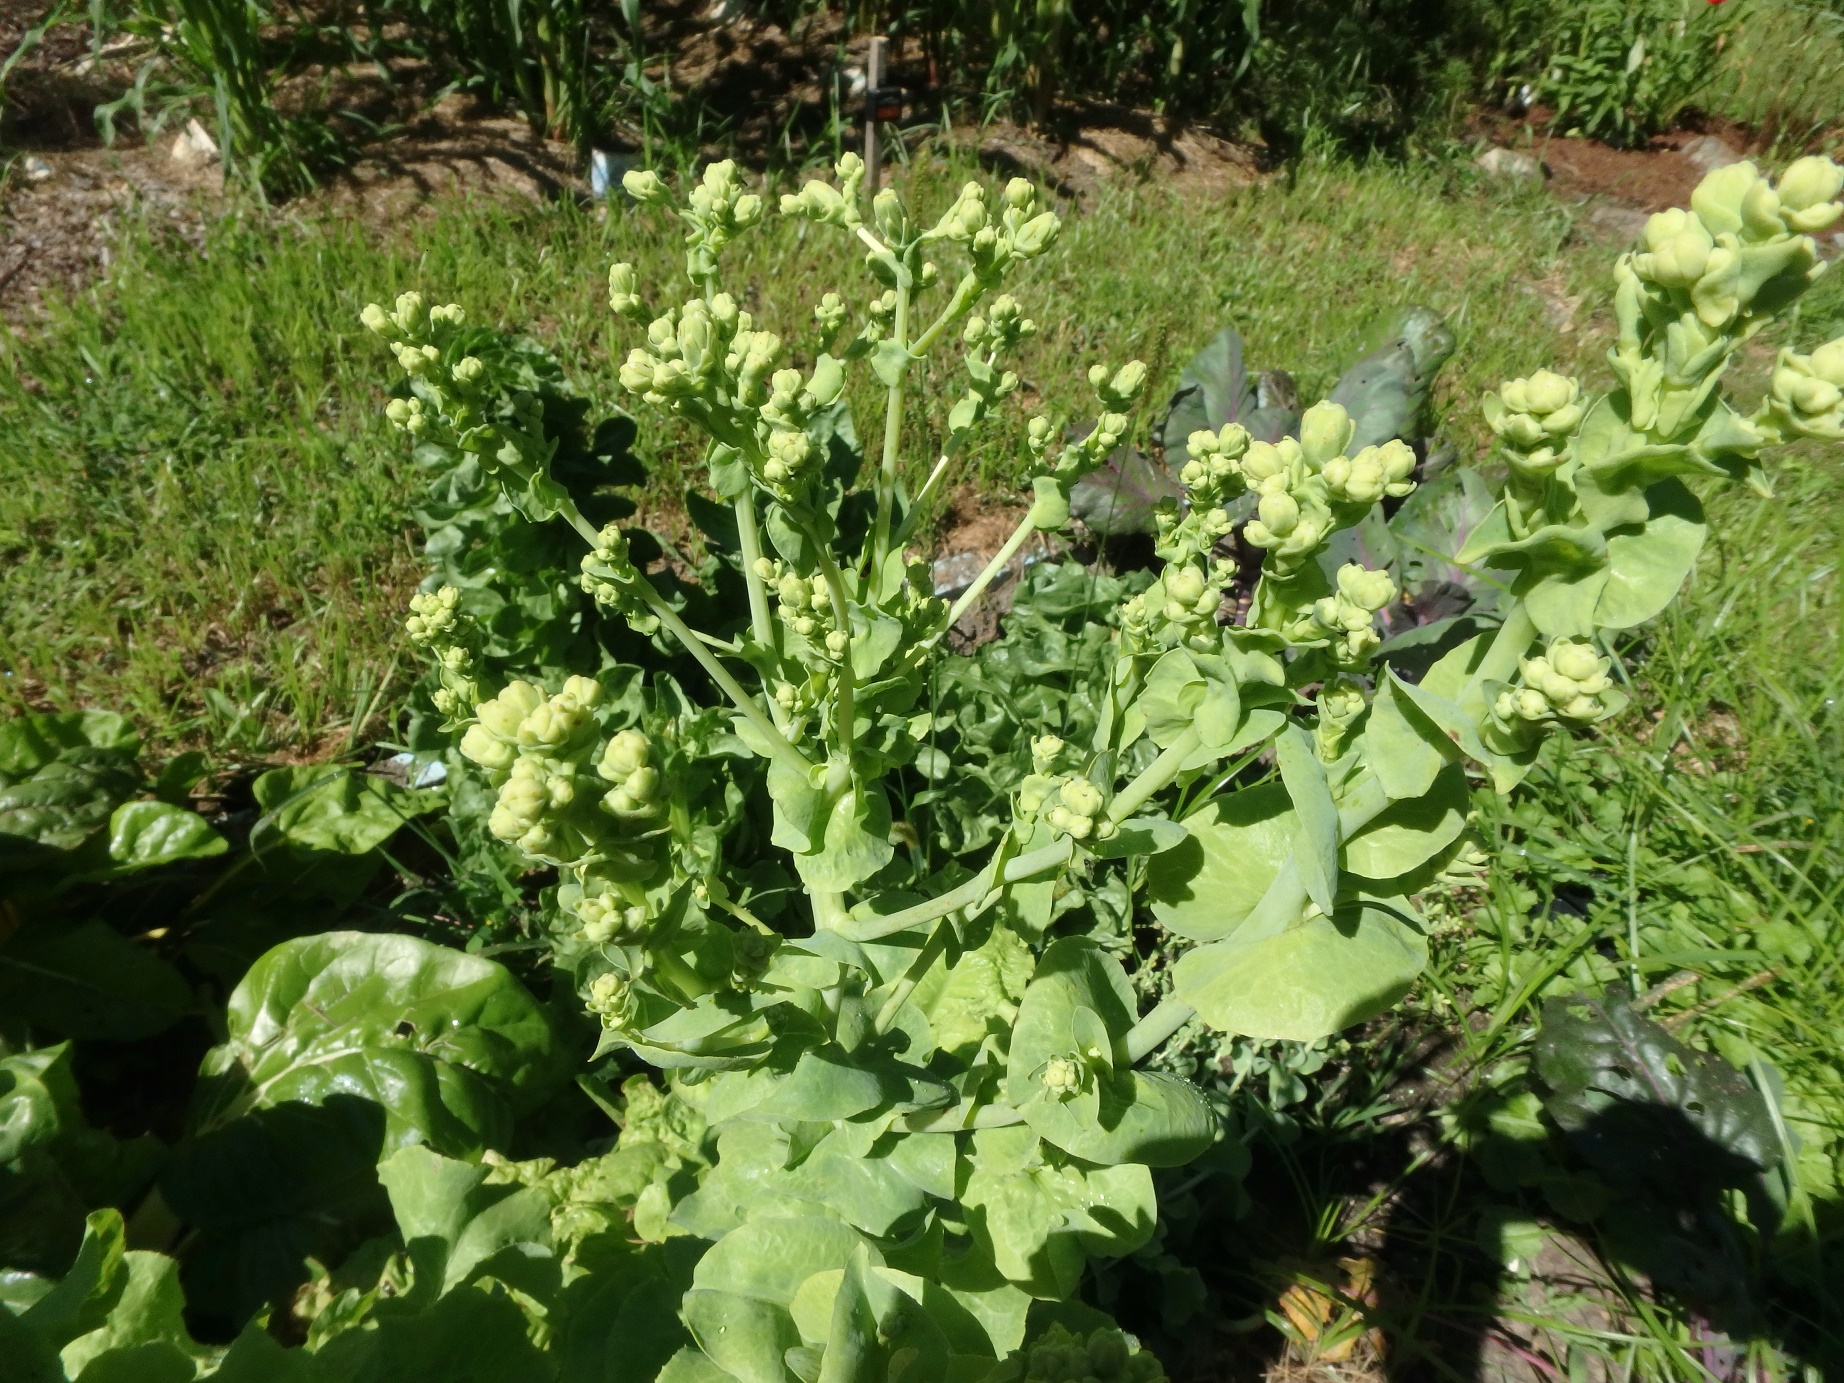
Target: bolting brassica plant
<point>928,1109</point>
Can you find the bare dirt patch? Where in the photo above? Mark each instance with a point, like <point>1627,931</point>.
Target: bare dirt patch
<point>1088,146</point>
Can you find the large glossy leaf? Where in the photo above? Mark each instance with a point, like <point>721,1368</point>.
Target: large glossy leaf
<point>454,1221</point>
<point>89,981</point>
<point>29,743</point>
<point>1204,886</point>
<point>1213,389</point>
<point>469,1336</point>
<point>1314,978</point>
<point>739,1307</point>
<point>323,823</point>
<point>1135,1116</point>
<point>145,834</point>
<point>1386,392</point>
<point>449,1045</point>
<point>1121,496</point>
<point>59,805</point>
<point>54,1168</point>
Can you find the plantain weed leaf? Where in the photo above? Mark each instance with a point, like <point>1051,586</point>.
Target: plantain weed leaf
<point>1121,496</point>
<point>1619,1082</point>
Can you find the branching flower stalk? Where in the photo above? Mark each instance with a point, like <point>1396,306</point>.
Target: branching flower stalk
<point>916,1071</point>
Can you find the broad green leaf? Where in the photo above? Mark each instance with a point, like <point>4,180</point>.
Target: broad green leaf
<point>1316,843</point>
<point>145,834</point>
<point>81,1302</point>
<point>743,1288</point>
<point>1313,979</point>
<point>450,1045</point>
<point>145,1328</point>
<point>1170,697</point>
<point>1402,746</point>
<point>1412,831</point>
<point>1645,570</point>
<point>327,809</point>
<point>60,804</point>
<point>855,844</point>
<point>453,1221</point>
<point>89,981</point>
<point>1208,883</point>
<point>1139,835</point>
<point>1081,998</point>
<point>29,743</point>
<point>469,1336</point>
<point>822,1085</point>
<point>53,1169</point>
<point>692,1365</point>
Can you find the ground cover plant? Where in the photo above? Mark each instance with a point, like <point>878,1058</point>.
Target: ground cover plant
<point>871,928</point>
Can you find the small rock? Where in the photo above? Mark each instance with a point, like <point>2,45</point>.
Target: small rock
<point>1709,153</point>
<point>36,169</point>
<point>1510,163</point>
<point>194,147</point>
<point>1623,222</point>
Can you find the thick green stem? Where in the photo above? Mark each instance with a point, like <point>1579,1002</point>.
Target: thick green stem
<point>751,541</point>
<point>1168,1016</point>
<point>1023,867</point>
<point>1004,555</point>
<point>843,714</point>
<point>935,945</point>
<point>893,437</point>
<point>778,743</point>
<point>965,292</point>
<point>1156,775</point>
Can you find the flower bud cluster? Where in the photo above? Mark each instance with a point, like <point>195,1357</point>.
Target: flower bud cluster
<point>1534,419</point>
<point>538,743</point>
<point>1106,1356</point>
<point>438,624</point>
<point>1115,389</point>
<point>805,605</point>
<point>988,338</point>
<point>1348,616</point>
<point>829,206</point>
<point>611,579</point>
<point>1213,476</point>
<point>1022,228</point>
<point>607,919</point>
<point>1071,805</point>
<point>1567,682</point>
<point>1341,701</point>
<point>1292,517</point>
<point>611,998</point>
<point>1806,397</point>
<point>1373,473</point>
<point>717,211</point>
<point>1689,298</point>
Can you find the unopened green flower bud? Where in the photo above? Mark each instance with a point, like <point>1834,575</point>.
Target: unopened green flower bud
<point>612,1000</point>
<point>625,753</point>
<point>645,187</point>
<point>485,748</point>
<point>892,220</point>
<point>1082,797</point>
<point>1809,194</point>
<point>376,319</point>
<point>1036,235</point>
<point>502,715</point>
<point>1325,431</point>
<point>1020,195</point>
<point>1063,1076</point>
<point>468,370</point>
<point>1045,751</point>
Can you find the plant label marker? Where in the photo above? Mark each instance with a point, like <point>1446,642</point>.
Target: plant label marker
<point>873,90</point>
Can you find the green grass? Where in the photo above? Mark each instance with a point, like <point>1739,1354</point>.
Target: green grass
<point>1783,74</point>
<point>206,524</point>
